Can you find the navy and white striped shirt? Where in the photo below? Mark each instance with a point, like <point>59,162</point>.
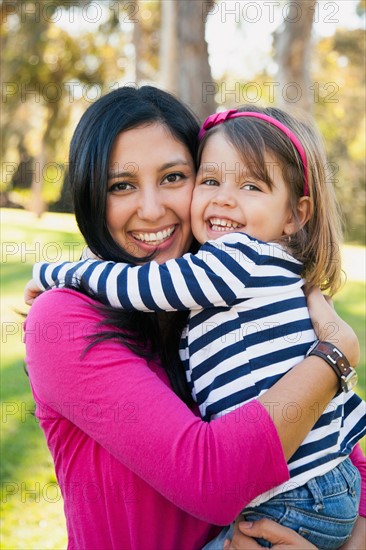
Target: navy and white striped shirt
<point>249,324</point>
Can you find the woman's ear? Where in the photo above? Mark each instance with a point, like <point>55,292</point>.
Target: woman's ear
<point>303,213</point>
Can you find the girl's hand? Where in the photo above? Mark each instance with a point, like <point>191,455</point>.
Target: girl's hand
<point>330,327</point>
<point>31,292</point>
<point>357,541</point>
<point>281,537</point>
<point>87,254</point>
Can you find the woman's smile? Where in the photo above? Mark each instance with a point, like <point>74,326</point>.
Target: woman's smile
<point>153,238</point>
<point>148,206</point>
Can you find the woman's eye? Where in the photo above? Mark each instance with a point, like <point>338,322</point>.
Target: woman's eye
<point>120,186</point>
<point>173,178</point>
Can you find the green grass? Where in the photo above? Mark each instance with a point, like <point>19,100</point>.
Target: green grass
<point>31,504</point>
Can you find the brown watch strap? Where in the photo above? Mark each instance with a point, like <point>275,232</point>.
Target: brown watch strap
<point>346,375</point>
<point>335,357</point>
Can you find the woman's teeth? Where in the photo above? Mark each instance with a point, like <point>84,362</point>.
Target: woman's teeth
<point>218,224</point>
<point>155,238</point>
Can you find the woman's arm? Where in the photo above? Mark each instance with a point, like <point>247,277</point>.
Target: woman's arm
<point>357,541</point>
<point>210,470</point>
<point>359,460</point>
<point>298,399</point>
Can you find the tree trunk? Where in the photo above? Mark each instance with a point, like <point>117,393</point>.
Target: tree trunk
<point>36,203</point>
<point>137,37</point>
<point>292,53</point>
<point>168,45</point>
<point>184,65</point>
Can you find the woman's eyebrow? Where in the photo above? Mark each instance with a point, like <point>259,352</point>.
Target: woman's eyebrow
<point>123,174</point>
<point>171,164</point>
<point>128,174</point>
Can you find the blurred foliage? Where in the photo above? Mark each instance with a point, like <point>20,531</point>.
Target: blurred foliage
<point>361,7</point>
<point>51,74</point>
<point>339,64</point>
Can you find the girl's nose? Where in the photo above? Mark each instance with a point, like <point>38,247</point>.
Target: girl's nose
<point>224,198</point>
<point>151,207</point>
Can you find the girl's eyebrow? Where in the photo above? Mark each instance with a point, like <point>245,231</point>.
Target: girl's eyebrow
<point>211,167</point>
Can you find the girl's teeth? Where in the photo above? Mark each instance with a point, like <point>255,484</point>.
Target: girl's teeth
<point>218,224</point>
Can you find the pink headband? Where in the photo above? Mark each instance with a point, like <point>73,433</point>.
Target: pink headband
<point>219,118</point>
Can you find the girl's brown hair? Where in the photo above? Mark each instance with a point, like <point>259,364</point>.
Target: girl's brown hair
<point>317,243</point>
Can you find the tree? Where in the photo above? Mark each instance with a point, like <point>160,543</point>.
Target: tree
<point>293,54</point>
<point>48,63</point>
<point>184,64</point>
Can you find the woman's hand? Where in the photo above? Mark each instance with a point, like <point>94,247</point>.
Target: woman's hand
<point>31,292</point>
<point>330,327</point>
<point>281,537</point>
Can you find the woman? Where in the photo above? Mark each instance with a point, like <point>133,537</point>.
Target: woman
<point>137,467</point>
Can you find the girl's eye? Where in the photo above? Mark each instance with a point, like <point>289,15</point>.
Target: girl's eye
<point>174,178</point>
<point>120,186</point>
<point>209,182</point>
<point>250,187</point>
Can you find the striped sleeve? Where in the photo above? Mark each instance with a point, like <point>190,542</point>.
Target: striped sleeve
<point>216,276</point>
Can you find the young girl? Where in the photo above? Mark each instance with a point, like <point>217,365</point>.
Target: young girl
<point>267,215</point>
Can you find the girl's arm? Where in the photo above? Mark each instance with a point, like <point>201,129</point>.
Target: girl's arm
<point>216,276</point>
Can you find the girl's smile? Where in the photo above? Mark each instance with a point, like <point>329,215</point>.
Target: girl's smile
<point>228,198</point>
<point>223,225</point>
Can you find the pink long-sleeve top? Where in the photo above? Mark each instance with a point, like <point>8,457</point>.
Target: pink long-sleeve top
<point>136,467</point>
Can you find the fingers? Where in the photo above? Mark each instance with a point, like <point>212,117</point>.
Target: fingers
<point>31,292</point>
<point>276,534</point>
<point>241,542</point>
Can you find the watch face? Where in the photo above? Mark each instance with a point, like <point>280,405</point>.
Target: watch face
<point>350,381</point>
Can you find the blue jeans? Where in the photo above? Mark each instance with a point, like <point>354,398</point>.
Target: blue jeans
<point>323,511</point>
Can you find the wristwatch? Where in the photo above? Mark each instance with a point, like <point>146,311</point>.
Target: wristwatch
<point>346,375</point>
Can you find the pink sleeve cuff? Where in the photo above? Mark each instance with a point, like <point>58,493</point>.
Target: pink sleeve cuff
<point>359,460</point>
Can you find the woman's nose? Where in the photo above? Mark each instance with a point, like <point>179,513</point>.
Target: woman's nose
<point>151,206</point>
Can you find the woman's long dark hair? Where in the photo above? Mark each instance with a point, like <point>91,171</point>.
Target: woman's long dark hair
<point>90,149</point>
